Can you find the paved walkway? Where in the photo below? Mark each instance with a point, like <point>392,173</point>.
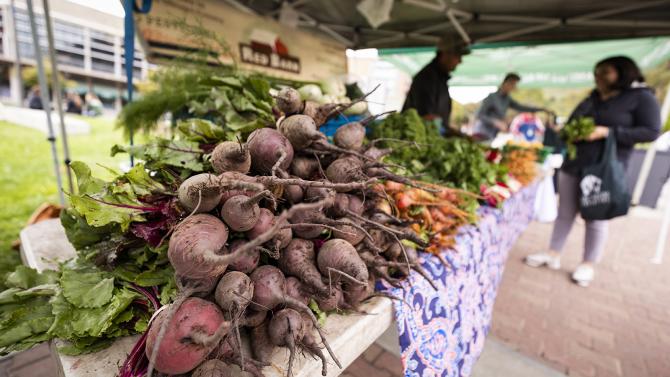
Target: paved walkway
<point>619,326</point>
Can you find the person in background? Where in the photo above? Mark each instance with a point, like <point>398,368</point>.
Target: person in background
<point>73,104</point>
<point>623,106</point>
<point>429,92</point>
<point>93,105</point>
<point>491,114</point>
<point>35,98</point>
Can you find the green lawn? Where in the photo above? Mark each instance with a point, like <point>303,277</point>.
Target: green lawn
<point>28,179</point>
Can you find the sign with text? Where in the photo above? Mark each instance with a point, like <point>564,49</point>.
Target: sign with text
<point>256,43</point>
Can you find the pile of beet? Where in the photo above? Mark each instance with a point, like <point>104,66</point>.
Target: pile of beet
<point>288,218</point>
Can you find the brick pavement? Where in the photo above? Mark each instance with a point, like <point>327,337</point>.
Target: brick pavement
<point>619,326</point>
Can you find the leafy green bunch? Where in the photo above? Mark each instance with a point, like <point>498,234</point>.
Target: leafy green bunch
<point>418,145</point>
<point>577,130</point>
<point>237,103</point>
<point>118,278</point>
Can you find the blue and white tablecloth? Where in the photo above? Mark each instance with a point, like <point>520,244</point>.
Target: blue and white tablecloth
<point>443,332</point>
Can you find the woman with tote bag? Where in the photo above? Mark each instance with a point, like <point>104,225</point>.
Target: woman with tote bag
<point>625,112</point>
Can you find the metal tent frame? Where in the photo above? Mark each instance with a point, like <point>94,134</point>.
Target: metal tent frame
<point>44,92</point>
<point>422,22</point>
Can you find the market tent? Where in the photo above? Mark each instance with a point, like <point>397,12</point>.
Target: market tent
<point>421,22</point>
<point>550,65</point>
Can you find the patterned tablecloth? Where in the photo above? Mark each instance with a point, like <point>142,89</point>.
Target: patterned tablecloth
<point>443,332</point>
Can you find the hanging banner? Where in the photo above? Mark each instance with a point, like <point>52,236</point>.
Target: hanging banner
<point>257,43</point>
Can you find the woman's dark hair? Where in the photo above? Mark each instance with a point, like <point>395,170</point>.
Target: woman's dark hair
<point>512,76</point>
<point>626,68</point>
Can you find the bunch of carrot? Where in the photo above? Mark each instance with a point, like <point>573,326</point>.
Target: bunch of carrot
<point>436,215</point>
<point>521,164</point>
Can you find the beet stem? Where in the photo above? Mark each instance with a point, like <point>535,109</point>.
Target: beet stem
<point>208,341</point>
<point>277,164</point>
<point>296,225</point>
<point>297,305</point>
<point>352,224</point>
<point>290,344</point>
<point>353,279</point>
<point>269,181</point>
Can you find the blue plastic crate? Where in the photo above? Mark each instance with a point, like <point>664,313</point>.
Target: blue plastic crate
<point>332,125</point>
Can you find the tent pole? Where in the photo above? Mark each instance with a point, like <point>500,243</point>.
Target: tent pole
<point>459,28</point>
<point>665,225</point>
<point>44,89</point>
<point>650,154</point>
<point>57,93</point>
<point>17,60</point>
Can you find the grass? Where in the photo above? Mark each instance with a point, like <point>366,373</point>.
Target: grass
<point>28,179</point>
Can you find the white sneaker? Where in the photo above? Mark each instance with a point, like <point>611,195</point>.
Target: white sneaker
<point>541,259</point>
<point>583,275</point>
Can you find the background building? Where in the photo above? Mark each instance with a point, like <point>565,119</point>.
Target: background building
<point>89,48</point>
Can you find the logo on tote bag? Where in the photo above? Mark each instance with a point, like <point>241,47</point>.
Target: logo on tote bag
<point>591,194</point>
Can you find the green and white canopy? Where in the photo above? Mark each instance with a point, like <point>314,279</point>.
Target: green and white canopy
<point>549,65</point>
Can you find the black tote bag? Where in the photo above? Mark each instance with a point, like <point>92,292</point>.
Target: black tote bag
<point>603,190</point>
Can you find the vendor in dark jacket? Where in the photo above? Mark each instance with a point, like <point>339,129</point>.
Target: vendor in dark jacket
<point>622,106</point>
<point>429,92</point>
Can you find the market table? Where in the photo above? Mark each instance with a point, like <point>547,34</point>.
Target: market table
<point>441,333</point>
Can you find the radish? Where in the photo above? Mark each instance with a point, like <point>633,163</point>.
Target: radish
<point>217,368</point>
<point>200,193</point>
<point>308,220</point>
<point>338,258</point>
<point>299,259</point>
<point>233,294</point>
<point>247,261</point>
<point>346,169</point>
<point>302,133</point>
<point>289,101</point>
<point>300,130</point>
<point>270,150</point>
<point>231,156</point>
<point>266,220</point>
<point>194,246</point>
<point>286,329</point>
<point>230,352</point>
<point>253,318</point>
<point>350,136</point>
<point>236,183</point>
<point>270,292</point>
<point>343,203</point>
<point>261,346</point>
<point>192,333</point>
<point>200,287</point>
<point>313,194</point>
<point>241,212</point>
<point>375,153</point>
<point>330,302</point>
<point>310,344</point>
<point>297,290</point>
<point>212,368</point>
<point>304,167</point>
<point>348,232</point>
<point>293,194</point>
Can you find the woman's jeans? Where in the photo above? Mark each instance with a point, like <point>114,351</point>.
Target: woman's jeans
<point>596,230</point>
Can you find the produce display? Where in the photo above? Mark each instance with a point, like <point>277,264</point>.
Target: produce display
<point>208,239</point>
<point>437,216</point>
<point>245,221</point>
<point>577,130</point>
<point>521,161</point>
<point>418,147</point>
